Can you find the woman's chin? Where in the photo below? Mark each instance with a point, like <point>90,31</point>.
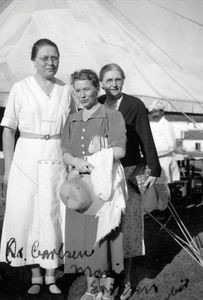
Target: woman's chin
<point>49,75</point>
<point>114,94</point>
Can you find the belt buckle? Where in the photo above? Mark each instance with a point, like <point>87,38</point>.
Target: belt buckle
<point>47,137</point>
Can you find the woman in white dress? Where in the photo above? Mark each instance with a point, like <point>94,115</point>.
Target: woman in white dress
<point>32,231</point>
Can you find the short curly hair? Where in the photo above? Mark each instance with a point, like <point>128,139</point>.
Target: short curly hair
<point>85,74</point>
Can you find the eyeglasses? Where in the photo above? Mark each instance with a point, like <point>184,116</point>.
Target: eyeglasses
<point>45,59</point>
<point>118,81</point>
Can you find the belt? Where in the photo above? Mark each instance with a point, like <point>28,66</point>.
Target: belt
<point>46,137</point>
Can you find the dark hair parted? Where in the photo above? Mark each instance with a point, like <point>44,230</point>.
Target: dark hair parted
<point>85,74</point>
<point>41,43</point>
<point>110,67</point>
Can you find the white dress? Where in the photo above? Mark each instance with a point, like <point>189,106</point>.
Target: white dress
<point>33,223</point>
<point>164,139</point>
<point>157,196</point>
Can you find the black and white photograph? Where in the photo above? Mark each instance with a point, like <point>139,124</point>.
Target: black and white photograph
<point>101,149</point>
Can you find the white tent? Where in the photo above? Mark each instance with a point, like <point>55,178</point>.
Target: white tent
<point>158,43</point>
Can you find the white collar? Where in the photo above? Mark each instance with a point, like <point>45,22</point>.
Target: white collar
<point>117,103</point>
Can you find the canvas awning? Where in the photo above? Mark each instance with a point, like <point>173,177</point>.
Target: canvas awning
<point>158,43</point>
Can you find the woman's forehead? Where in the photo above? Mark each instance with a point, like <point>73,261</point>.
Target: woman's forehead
<point>47,49</point>
<point>83,82</point>
<point>112,74</point>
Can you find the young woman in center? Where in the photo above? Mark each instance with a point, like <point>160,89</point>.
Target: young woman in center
<point>86,133</point>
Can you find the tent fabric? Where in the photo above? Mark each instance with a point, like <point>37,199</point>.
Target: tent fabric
<point>158,43</point>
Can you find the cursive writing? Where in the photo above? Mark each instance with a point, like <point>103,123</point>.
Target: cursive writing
<point>146,290</point>
<point>96,286</point>
<point>36,252</point>
<point>176,290</point>
<point>13,252</point>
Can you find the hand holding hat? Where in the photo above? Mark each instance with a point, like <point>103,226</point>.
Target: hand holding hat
<point>78,194</point>
<point>82,165</point>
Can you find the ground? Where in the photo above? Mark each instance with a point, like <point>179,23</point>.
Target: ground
<point>165,272</point>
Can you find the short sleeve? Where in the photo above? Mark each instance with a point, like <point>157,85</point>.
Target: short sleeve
<point>116,130</point>
<point>11,114</point>
<point>71,100</point>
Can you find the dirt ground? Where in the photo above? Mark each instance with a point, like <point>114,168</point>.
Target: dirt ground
<point>165,272</point>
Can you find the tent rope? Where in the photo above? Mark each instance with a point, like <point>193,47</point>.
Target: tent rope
<point>181,224</point>
<point>195,254</point>
<point>175,13</point>
<point>152,58</point>
<point>147,37</point>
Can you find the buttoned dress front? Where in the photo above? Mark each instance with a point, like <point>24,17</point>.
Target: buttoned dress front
<point>33,223</point>
<point>81,229</point>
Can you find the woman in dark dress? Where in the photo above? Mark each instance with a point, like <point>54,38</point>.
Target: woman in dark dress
<point>139,143</point>
<point>93,123</point>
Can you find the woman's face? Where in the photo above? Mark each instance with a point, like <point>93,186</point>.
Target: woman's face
<point>112,83</point>
<point>157,115</point>
<point>47,61</point>
<point>86,93</point>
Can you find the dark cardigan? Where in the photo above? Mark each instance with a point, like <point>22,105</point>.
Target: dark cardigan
<point>139,136</point>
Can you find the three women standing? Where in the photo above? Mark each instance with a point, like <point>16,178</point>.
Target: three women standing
<point>38,106</point>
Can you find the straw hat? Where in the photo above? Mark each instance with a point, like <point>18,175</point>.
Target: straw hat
<point>78,194</point>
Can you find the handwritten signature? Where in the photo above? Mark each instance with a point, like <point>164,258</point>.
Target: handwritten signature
<point>145,289</point>
<point>174,289</point>
<point>98,273</point>
<point>13,252</point>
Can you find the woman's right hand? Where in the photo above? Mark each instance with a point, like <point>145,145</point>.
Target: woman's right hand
<point>82,165</point>
<point>5,184</point>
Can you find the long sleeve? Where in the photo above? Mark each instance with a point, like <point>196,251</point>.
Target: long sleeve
<point>139,136</point>
<point>142,127</point>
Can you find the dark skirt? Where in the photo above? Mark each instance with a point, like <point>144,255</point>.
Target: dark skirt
<point>81,255</point>
<point>132,223</point>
